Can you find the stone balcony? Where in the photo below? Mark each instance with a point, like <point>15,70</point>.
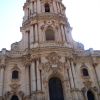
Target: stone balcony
<point>27,19</point>
<point>51,44</point>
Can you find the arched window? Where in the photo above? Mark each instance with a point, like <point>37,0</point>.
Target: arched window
<point>15,74</point>
<point>90,95</point>
<point>55,89</point>
<point>85,72</point>
<point>50,35</point>
<point>47,7</point>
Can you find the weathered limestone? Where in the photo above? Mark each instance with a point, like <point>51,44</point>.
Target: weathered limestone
<point>48,57</point>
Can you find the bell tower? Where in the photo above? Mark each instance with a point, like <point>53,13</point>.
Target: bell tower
<point>45,24</point>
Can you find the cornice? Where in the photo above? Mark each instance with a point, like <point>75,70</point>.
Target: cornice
<point>44,16</point>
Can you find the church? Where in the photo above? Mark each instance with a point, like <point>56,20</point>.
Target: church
<point>47,64</point>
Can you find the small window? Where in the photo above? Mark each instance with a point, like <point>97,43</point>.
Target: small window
<point>47,7</point>
<point>50,35</point>
<point>85,72</point>
<point>15,74</point>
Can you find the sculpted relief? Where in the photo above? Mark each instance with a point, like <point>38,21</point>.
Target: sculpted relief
<point>53,63</point>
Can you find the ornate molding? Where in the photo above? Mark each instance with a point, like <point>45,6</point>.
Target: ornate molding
<point>88,83</point>
<point>14,86</point>
<point>53,63</point>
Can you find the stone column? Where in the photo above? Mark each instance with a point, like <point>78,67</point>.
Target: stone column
<point>54,6</point>
<point>74,80</point>
<point>1,80</point>
<point>51,7</point>
<point>72,84</point>
<point>38,76</point>
<point>58,7</point>
<point>97,74</point>
<point>60,34</point>
<point>74,74</point>
<point>63,33</point>
<point>40,32</point>
<point>66,83</point>
<point>74,94</point>
<point>36,33</point>
<point>43,35</point>
<point>26,39</point>
<point>31,37</point>
<point>71,77</point>
<point>67,93</point>
<point>42,7</point>
<point>26,13</point>
<point>61,9</point>
<point>33,77</point>
<point>31,8</point>
<point>35,7</point>
<point>38,6</point>
<point>65,28</point>
<point>27,80</point>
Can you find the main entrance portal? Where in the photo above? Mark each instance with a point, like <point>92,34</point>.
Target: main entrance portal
<point>14,97</point>
<point>55,89</point>
<point>90,95</point>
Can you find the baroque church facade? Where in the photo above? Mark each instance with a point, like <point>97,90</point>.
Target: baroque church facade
<point>47,64</point>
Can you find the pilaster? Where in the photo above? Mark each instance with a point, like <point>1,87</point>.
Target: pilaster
<point>38,6</point>
<point>36,33</point>
<point>63,33</point>
<point>31,36</point>
<point>33,77</point>
<point>54,6</point>
<point>2,67</point>
<point>38,76</point>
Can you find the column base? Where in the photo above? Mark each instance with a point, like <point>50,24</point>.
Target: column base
<point>27,98</point>
<point>35,45</point>
<point>37,95</point>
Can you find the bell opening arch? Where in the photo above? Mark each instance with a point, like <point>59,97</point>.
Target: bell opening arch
<point>50,34</point>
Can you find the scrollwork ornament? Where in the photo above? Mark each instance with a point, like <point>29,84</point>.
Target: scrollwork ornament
<point>54,64</point>
<point>15,87</point>
<point>53,58</point>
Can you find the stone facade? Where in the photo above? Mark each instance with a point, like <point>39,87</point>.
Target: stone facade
<point>47,55</point>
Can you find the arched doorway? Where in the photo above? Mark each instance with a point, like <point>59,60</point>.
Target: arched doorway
<point>55,89</point>
<point>14,97</point>
<point>90,95</point>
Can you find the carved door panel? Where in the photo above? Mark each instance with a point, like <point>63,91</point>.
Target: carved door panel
<point>55,89</point>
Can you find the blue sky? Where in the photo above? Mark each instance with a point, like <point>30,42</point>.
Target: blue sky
<point>83,15</point>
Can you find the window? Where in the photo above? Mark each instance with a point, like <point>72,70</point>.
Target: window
<point>50,35</point>
<point>15,74</point>
<point>85,72</point>
<point>47,7</point>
